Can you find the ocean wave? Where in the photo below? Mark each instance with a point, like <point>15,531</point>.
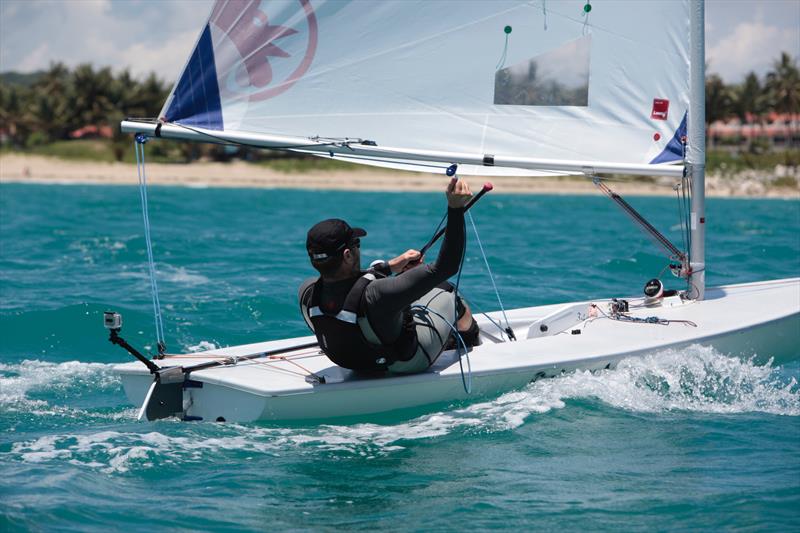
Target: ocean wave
<point>170,274</point>
<point>693,380</point>
<point>202,346</point>
<point>696,379</point>
<point>18,382</point>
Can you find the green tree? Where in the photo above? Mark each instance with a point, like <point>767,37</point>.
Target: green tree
<point>92,95</point>
<point>783,85</point>
<point>719,99</point>
<point>11,109</point>
<point>749,97</point>
<point>48,106</point>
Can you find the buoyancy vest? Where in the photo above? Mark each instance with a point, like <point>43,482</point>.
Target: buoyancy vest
<point>346,336</point>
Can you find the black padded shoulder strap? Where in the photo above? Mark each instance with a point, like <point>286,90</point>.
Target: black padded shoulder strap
<point>353,301</point>
<point>316,293</point>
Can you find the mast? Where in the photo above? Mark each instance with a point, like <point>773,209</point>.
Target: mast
<point>696,153</point>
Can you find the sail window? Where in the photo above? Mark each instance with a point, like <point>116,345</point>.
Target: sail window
<point>559,77</point>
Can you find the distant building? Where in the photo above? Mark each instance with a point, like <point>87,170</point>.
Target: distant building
<point>92,131</point>
<point>780,131</point>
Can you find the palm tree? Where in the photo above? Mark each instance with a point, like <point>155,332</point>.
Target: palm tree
<point>749,97</point>
<point>49,102</point>
<point>783,90</point>
<point>783,85</point>
<point>11,112</point>
<point>719,101</point>
<point>92,94</point>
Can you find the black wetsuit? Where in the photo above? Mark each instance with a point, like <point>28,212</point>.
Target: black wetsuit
<point>387,299</point>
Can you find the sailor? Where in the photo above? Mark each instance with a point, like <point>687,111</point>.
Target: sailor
<point>372,321</point>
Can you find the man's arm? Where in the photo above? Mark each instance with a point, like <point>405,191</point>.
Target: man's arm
<point>397,265</point>
<point>390,295</point>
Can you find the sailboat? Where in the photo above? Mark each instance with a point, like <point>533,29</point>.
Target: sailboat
<point>535,88</point>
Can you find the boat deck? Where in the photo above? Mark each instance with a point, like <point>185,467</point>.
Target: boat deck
<point>734,319</point>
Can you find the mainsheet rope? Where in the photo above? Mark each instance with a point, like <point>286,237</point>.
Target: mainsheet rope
<point>138,144</point>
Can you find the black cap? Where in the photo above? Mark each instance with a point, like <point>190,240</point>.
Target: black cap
<point>329,237</point>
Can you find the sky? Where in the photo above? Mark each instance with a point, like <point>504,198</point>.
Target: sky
<point>158,35</point>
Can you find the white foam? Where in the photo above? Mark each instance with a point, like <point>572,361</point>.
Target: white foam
<point>171,274</point>
<point>692,380</point>
<point>180,275</point>
<point>202,346</point>
<point>696,379</point>
<point>17,380</point>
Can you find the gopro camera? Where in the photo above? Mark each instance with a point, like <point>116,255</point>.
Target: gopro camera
<point>112,320</point>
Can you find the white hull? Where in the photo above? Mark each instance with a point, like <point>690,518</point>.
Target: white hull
<point>761,319</point>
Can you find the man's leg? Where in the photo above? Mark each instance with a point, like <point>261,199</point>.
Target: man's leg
<point>433,315</point>
<point>466,325</point>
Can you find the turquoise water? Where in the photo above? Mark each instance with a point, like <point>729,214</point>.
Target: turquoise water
<point>682,439</point>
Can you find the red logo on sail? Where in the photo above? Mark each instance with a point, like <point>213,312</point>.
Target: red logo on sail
<point>660,109</point>
<point>259,44</point>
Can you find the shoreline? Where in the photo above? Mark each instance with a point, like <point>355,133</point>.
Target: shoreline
<point>16,168</point>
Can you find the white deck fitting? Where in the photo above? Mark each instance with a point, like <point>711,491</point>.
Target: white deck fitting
<point>761,319</point>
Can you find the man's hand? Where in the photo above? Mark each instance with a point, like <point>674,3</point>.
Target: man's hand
<point>408,259</point>
<point>458,193</point>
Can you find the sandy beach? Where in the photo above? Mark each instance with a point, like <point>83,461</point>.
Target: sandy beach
<point>39,169</point>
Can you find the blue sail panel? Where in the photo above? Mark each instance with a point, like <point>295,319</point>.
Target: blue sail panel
<point>675,147</point>
<point>196,100</point>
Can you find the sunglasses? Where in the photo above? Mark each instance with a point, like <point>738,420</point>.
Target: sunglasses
<point>355,243</point>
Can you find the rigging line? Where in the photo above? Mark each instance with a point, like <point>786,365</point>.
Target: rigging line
<point>156,121</point>
<point>241,143</point>
<point>150,258</point>
<point>680,216</point>
<point>688,174</point>
<point>586,10</point>
<point>663,270</point>
<point>306,148</point>
<point>269,366</point>
<point>298,365</point>
<point>649,229</point>
<point>621,317</point>
<point>685,214</point>
<point>466,383</point>
<point>687,229</point>
<point>494,322</point>
<point>502,61</point>
<point>140,168</point>
<point>544,13</point>
<point>346,157</point>
<point>201,355</point>
<point>491,276</point>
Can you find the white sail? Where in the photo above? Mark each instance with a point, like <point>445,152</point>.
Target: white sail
<point>610,84</point>
<point>415,85</point>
